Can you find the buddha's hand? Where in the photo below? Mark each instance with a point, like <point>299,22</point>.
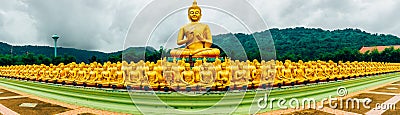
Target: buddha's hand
<point>199,36</point>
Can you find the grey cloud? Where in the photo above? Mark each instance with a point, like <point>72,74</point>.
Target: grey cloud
<point>84,24</point>
<point>103,24</point>
<point>370,15</point>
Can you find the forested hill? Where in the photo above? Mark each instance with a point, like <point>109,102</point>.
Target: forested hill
<point>310,43</point>
<point>78,54</point>
<point>81,55</point>
<point>290,43</point>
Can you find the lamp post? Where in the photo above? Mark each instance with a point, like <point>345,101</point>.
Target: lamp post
<point>55,37</point>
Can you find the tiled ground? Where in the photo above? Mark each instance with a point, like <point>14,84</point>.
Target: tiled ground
<point>11,100</point>
<point>6,93</point>
<point>377,98</point>
<point>386,93</point>
<point>42,108</point>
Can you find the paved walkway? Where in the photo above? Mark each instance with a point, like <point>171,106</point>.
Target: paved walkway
<point>74,109</point>
<point>6,111</point>
<point>11,97</point>
<point>374,111</point>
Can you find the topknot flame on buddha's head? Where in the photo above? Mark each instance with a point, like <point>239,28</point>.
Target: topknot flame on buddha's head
<point>194,12</point>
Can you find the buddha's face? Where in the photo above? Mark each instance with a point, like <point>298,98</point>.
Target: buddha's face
<point>205,68</point>
<point>194,14</point>
<point>223,67</point>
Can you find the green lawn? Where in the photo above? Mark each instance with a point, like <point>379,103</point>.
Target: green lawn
<point>121,101</point>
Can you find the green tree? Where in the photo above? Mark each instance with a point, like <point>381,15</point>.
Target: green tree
<point>92,59</point>
<point>57,60</point>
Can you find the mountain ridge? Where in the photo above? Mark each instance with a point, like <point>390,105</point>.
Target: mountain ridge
<point>298,42</point>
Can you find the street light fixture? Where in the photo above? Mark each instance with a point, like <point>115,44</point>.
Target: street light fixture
<point>55,38</point>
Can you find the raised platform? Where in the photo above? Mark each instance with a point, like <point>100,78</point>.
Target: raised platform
<point>171,59</point>
<point>120,101</point>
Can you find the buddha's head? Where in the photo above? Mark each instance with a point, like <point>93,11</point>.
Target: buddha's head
<point>258,65</point>
<point>159,62</point>
<point>119,67</point>
<point>300,62</point>
<point>223,66</point>
<point>81,67</point>
<point>194,12</point>
<point>151,67</point>
<point>169,67</point>
<point>133,67</point>
<point>206,68</point>
<point>240,67</point>
<point>187,66</point>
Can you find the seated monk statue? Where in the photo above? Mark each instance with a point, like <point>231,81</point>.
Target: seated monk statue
<point>207,77</point>
<point>158,67</point>
<point>81,75</point>
<point>92,75</point>
<point>196,69</point>
<point>32,72</point>
<point>113,74</point>
<point>187,76</point>
<point>56,74</point>
<point>105,74</point>
<point>256,75</point>
<point>119,79</point>
<point>287,73</point>
<point>37,71</point>
<point>239,77</point>
<point>178,69</point>
<point>63,73</point>
<point>151,76</point>
<point>264,74</point>
<point>198,37</point>
<point>224,76</point>
<point>73,72</point>
<point>135,77</point>
<point>169,75</point>
<point>271,72</point>
<point>47,74</point>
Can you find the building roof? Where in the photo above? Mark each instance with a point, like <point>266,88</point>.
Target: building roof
<point>379,48</point>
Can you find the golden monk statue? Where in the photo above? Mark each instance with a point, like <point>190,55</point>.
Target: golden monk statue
<point>239,76</point>
<point>135,77</point>
<point>92,75</point>
<point>187,76</point>
<point>207,77</point>
<point>256,75</point>
<point>152,76</point>
<point>169,74</point>
<point>117,79</point>
<point>196,69</point>
<point>224,76</point>
<point>196,36</point>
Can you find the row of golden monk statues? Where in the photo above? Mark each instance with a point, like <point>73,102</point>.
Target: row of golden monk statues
<point>317,71</point>
<point>197,39</point>
<point>202,74</point>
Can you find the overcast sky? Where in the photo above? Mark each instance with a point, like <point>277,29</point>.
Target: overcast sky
<point>102,25</point>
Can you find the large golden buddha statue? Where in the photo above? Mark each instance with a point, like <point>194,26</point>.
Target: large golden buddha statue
<point>196,36</point>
